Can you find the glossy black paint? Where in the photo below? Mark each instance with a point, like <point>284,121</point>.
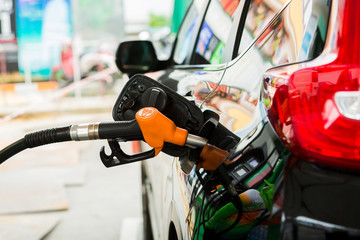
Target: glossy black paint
<point>318,202</point>
<point>136,57</point>
<point>321,200</point>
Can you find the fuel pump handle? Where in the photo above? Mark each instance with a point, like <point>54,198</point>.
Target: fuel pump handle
<point>155,128</point>
<point>121,130</point>
<point>150,125</point>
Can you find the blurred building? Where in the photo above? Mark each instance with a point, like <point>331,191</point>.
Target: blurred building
<point>35,33</point>
<point>8,41</point>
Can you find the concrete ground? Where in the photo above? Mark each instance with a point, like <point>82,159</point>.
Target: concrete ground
<point>104,204</point>
<point>96,202</point>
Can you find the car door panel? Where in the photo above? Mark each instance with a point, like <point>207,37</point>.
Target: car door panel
<point>273,39</point>
<point>236,96</point>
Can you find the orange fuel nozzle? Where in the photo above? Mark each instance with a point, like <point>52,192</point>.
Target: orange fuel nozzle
<point>157,129</point>
<point>211,157</point>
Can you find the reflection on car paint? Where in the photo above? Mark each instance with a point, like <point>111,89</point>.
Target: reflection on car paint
<point>214,32</point>
<point>279,44</point>
<point>187,79</point>
<point>268,40</point>
<point>236,105</point>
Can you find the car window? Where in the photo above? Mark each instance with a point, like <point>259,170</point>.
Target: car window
<point>186,33</point>
<point>215,31</point>
<point>293,36</point>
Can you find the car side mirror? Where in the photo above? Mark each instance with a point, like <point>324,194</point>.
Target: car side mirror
<point>134,57</point>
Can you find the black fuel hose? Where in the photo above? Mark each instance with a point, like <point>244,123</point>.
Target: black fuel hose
<point>36,139</point>
<point>121,130</point>
<point>12,149</point>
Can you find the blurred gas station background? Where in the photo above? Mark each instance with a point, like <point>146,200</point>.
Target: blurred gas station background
<point>57,68</point>
<point>49,44</point>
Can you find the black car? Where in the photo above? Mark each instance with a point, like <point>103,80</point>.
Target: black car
<point>284,78</point>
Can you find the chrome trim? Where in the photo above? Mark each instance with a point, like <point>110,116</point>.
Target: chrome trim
<point>83,132</point>
<point>195,141</point>
<point>94,131</point>
<point>73,133</point>
<point>309,222</point>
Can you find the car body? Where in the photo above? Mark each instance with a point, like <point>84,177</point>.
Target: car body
<point>283,76</point>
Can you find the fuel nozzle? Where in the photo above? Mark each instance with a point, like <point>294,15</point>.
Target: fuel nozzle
<point>211,159</point>
<point>150,125</point>
<point>158,129</point>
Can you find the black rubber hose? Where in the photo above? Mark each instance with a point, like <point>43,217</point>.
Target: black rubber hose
<point>47,136</point>
<point>36,139</point>
<point>12,149</point>
<point>122,131</point>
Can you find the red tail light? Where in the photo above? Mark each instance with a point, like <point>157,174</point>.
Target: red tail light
<point>316,110</point>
